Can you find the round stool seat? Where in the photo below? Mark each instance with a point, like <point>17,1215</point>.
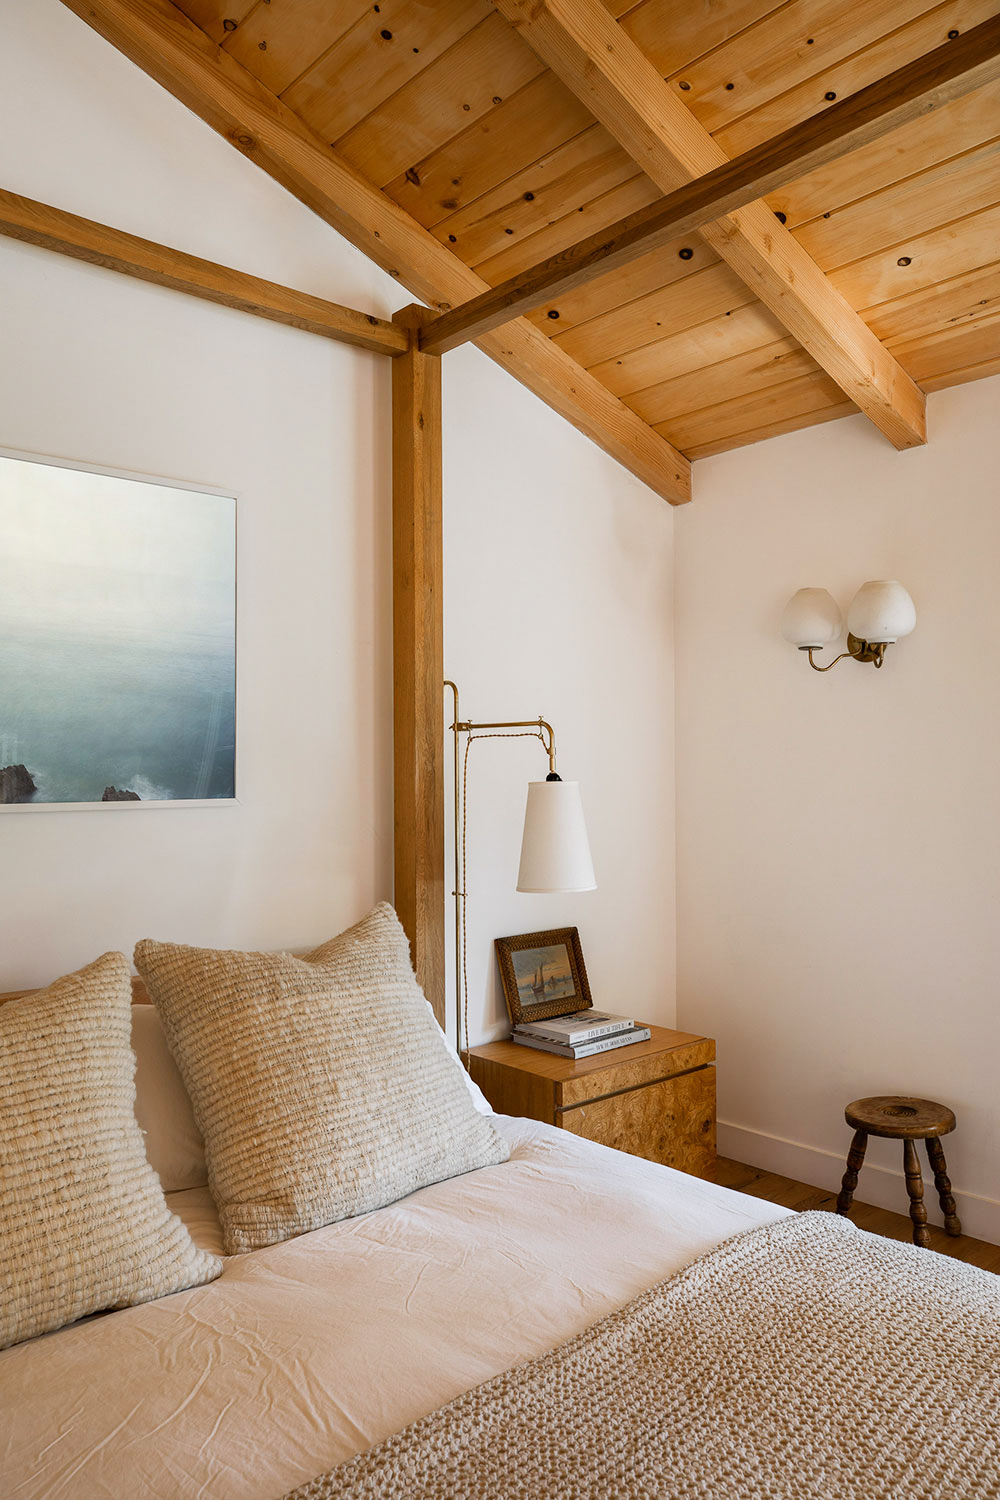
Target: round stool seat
<point>899,1117</point>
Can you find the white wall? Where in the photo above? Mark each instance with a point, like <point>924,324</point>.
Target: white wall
<point>558,589</point>
<point>559,602</point>
<point>839,835</point>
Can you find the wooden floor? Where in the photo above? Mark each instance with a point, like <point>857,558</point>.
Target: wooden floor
<point>799,1195</point>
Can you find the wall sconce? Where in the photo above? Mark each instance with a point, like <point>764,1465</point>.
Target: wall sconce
<point>881,613</point>
<point>555,850</point>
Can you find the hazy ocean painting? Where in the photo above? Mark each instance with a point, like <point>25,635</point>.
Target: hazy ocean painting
<point>117,638</point>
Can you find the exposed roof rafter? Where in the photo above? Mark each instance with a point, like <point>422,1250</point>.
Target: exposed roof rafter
<point>593,55</point>
<point>156,36</point>
<point>83,239</point>
<point>911,91</point>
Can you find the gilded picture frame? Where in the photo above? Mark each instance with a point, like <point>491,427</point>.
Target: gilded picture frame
<point>543,974</point>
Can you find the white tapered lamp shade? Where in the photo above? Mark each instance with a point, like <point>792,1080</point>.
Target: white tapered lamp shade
<point>881,612</point>
<point>811,620</point>
<point>555,850</point>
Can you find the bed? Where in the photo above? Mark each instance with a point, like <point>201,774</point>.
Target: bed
<point>569,1321</point>
<point>305,1353</point>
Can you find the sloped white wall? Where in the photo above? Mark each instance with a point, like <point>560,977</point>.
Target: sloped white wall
<point>558,590</point>
<point>838,835</point>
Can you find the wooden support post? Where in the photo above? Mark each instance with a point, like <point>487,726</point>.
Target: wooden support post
<point>418,655</point>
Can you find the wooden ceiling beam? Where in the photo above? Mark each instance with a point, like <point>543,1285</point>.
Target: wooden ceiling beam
<point>156,36</point>
<point>586,47</point>
<point>83,239</point>
<point>904,95</point>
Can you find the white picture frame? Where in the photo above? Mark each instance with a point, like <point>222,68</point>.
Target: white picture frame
<point>169,639</point>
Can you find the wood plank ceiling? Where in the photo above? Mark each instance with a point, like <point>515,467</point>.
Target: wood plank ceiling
<point>443,106</point>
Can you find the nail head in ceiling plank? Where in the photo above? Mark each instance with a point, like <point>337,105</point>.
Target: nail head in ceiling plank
<point>82,239</point>
<point>592,54</point>
<point>911,91</point>
<point>156,36</point>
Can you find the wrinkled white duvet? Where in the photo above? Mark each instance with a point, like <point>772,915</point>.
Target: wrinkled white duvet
<point>305,1353</point>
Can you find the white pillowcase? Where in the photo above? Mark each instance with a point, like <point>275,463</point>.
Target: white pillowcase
<point>479,1099</point>
<point>174,1147</point>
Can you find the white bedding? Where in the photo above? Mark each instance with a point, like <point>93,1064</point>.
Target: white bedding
<point>308,1352</point>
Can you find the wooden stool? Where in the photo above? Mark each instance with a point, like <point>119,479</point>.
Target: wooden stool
<point>905,1120</point>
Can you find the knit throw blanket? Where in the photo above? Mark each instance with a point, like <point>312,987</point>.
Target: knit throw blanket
<point>804,1360</point>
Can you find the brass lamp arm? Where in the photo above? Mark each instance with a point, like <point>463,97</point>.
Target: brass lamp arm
<point>546,733</point>
<point>857,651</point>
<point>544,729</point>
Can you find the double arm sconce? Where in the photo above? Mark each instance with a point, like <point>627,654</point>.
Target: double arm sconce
<point>881,613</point>
<point>555,851</point>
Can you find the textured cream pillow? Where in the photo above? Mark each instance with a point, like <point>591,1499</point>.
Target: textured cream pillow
<point>322,1085</point>
<point>84,1222</point>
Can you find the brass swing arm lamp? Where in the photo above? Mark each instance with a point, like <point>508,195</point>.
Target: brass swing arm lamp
<point>555,851</point>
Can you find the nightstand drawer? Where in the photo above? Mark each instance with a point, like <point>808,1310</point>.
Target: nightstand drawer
<point>630,1068</point>
<point>672,1121</point>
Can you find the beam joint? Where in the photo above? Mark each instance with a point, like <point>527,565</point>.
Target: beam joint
<point>595,57</point>
<point>171,49</point>
<point>921,86</point>
<point>50,228</point>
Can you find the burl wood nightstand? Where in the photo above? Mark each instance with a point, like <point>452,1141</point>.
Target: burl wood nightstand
<point>655,1099</point>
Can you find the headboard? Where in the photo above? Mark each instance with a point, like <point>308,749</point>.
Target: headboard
<point>140,995</point>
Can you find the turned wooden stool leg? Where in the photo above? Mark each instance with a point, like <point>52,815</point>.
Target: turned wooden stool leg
<point>935,1155</point>
<point>915,1188</point>
<point>855,1161</point>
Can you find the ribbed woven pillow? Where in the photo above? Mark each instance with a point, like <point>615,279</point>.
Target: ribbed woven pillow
<point>84,1222</point>
<point>323,1085</point>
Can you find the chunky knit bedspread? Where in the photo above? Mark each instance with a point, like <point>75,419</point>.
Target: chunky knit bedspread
<point>804,1360</point>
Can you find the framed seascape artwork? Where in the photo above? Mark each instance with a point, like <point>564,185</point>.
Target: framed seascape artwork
<point>117,639</point>
<point>543,974</point>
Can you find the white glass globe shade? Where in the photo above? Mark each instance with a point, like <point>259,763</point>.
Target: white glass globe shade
<point>881,612</point>
<point>811,620</point>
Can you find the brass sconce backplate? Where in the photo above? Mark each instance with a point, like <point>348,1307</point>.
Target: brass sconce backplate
<point>862,651</point>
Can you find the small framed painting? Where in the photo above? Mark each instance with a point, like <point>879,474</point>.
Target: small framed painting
<point>543,974</point>
<point>117,639</point>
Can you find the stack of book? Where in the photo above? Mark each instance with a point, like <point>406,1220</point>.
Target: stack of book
<point>581,1034</point>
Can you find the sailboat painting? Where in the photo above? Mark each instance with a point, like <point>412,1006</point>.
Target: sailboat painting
<point>543,974</point>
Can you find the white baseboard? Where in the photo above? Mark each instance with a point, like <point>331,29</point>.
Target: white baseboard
<point>878,1185</point>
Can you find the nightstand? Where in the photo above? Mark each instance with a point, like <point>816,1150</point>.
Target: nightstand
<point>654,1099</point>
